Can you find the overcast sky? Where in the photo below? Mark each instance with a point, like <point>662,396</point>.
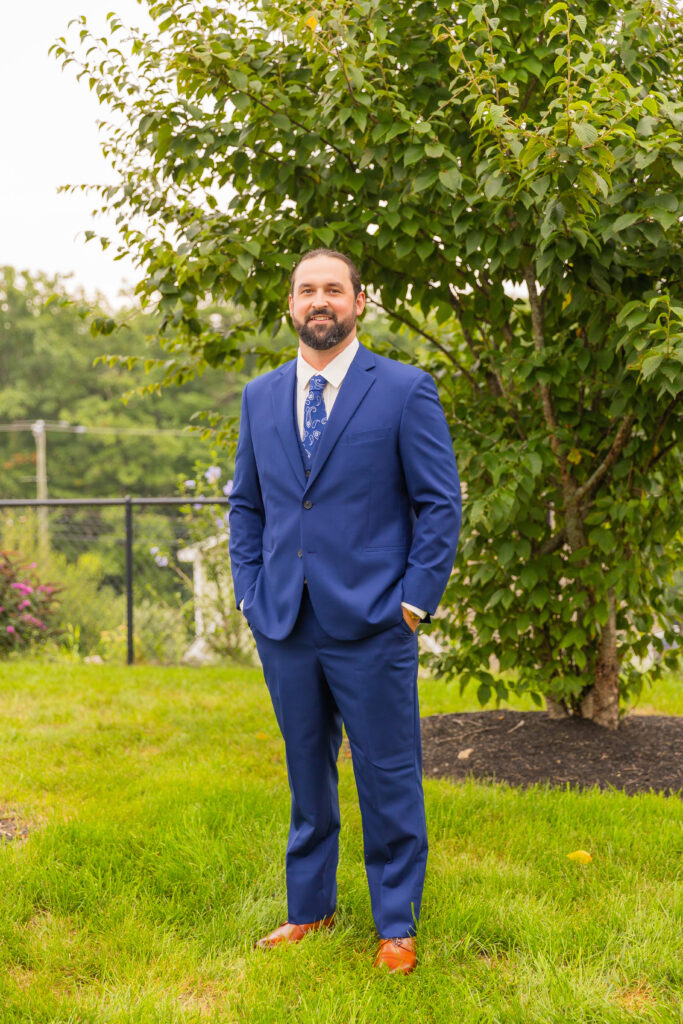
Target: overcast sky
<point>50,138</point>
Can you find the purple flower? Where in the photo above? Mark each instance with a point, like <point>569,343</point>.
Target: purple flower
<point>189,484</point>
<point>212,474</point>
<point>198,505</point>
<point>154,550</point>
<point>227,490</point>
<point>161,561</point>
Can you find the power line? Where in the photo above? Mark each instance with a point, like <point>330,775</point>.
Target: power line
<point>73,428</point>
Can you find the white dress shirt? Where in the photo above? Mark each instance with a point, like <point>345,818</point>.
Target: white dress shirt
<point>333,373</point>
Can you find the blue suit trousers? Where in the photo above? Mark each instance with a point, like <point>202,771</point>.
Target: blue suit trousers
<point>316,683</point>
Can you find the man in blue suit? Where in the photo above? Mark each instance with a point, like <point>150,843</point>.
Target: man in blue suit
<point>344,520</point>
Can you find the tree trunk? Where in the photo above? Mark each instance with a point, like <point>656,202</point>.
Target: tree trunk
<point>601,703</point>
<point>555,709</point>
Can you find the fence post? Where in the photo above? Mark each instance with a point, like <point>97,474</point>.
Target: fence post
<point>129,577</point>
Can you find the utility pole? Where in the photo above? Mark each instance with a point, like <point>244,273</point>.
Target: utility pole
<point>38,431</point>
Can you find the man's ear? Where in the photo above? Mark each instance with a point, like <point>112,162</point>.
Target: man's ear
<point>360,303</point>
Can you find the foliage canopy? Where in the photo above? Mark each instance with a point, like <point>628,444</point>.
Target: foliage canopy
<point>509,178</point>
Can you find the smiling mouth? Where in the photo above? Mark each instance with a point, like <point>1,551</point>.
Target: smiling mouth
<point>320,318</point>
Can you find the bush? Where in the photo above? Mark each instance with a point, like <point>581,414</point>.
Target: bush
<point>28,608</point>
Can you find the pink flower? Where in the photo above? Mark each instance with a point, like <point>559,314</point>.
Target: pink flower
<point>32,621</point>
<point>2,608</point>
<point>23,587</point>
<point>24,604</point>
<point>11,629</point>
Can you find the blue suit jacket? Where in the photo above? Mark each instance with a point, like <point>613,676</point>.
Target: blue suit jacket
<point>375,523</point>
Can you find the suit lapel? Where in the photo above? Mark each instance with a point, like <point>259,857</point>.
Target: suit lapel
<point>282,397</point>
<point>356,384</point>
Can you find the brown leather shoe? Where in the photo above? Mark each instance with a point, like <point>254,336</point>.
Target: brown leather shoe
<point>288,932</point>
<point>399,955</point>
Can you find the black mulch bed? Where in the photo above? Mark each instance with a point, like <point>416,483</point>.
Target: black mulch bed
<point>522,748</point>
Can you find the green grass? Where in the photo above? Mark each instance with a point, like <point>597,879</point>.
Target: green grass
<point>159,803</point>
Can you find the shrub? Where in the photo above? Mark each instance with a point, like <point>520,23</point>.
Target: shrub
<point>27,607</point>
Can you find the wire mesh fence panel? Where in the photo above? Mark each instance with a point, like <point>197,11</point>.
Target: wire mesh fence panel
<point>169,576</point>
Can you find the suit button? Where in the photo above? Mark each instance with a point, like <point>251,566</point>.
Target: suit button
<point>308,472</point>
<point>300,553</point>
<point>308,504</point>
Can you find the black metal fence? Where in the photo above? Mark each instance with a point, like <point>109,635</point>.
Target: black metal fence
<point>118,559</point>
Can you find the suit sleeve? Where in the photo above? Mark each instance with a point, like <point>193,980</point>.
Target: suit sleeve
<point>433,486</point>
<point>247,515</point>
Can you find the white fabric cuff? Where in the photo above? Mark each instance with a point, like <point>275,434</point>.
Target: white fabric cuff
<point>412,608</point>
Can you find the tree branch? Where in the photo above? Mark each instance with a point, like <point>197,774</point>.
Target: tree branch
<point>660,427</point>
<point>494,376</point>
<point>616,448</point>
<point>664,451</point>
<point>546,397</point>
<point>553,543</point>
<point>430,338</point>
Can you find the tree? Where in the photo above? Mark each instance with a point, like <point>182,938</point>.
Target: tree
<point>509,178</point>
<point>48,371</point>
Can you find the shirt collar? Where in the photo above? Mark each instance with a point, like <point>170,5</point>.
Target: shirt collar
<point>334,372</point>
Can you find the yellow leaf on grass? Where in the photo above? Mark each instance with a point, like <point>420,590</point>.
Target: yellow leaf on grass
<point>580,856</point>
<point>261,735</point>
<point>312,22</point>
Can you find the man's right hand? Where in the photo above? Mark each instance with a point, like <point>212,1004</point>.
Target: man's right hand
<point>412,619</point>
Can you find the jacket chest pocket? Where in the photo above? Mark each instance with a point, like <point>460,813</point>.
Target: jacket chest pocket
<point>363,437</point>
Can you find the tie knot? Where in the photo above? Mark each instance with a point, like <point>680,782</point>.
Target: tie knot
<point>317,384</point>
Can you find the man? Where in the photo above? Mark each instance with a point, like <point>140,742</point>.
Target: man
<point>344,519</point>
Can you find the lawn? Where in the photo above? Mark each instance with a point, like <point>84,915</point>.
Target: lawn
<point>158,803</point>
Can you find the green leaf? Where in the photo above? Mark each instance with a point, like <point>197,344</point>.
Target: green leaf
<point>412,155</point>
<point>424,180</point>
<point>555,9</point>
<point>492,187</point>
<point>603,538</point>
<point>451,179</point>
<point>483,693</point>
<point>585,133</point>
<point>650,364</point>
<point>404,246</point>
<point>528,577</point>
<point>576,637</point>
<point>424,248</point>
<point>506,552</point>
<point>625,221</point>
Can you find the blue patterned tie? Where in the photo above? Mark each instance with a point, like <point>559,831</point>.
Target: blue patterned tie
<point>315,416</point>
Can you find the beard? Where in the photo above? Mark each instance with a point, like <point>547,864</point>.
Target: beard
<point>323,337</point>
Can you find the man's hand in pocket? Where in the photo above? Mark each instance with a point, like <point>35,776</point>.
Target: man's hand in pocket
<point>412,619</point>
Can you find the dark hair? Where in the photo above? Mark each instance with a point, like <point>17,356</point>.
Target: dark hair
<point>353,269</point>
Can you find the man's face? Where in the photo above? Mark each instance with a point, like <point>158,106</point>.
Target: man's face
<point>322,304</point>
